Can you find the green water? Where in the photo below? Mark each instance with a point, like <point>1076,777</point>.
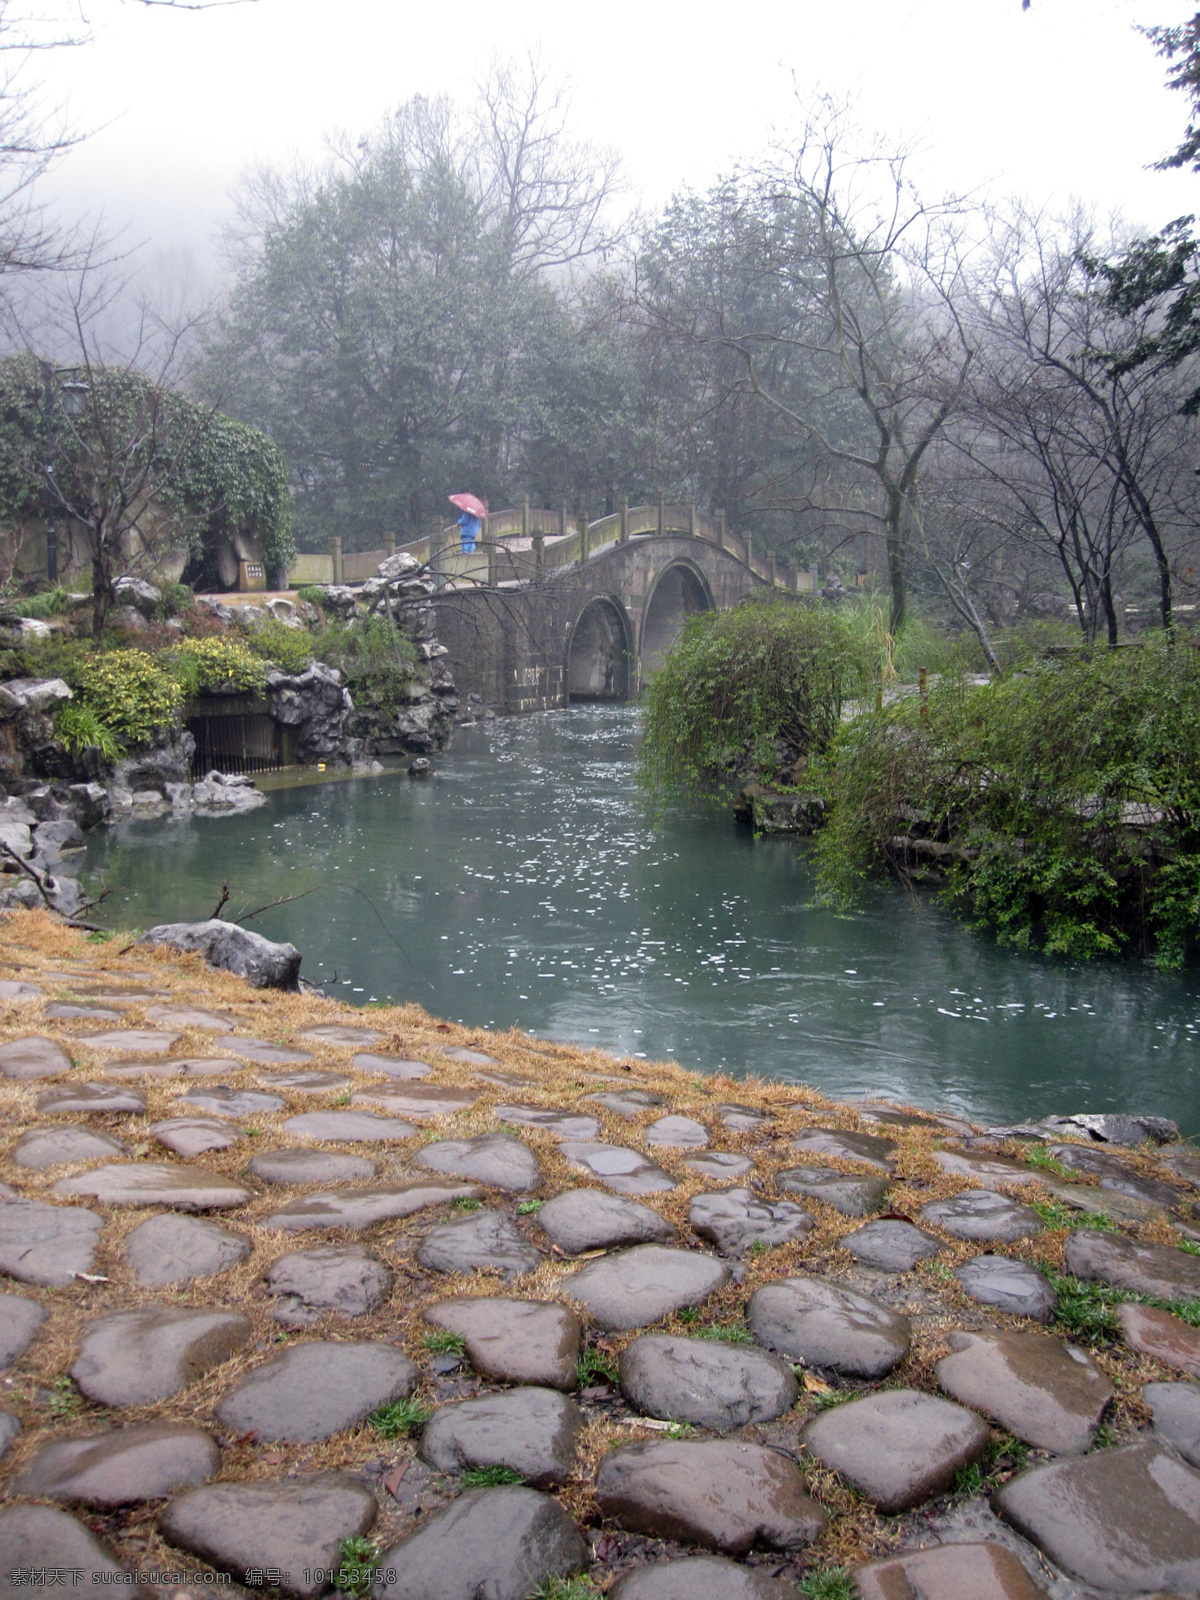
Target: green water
<point>525,884</point>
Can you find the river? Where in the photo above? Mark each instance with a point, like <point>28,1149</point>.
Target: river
<point>527,884</point>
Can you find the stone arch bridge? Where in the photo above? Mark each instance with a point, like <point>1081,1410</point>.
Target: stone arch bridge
<point>552,609</point>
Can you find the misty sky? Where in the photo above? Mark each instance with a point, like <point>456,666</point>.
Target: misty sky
<point>1062,101</point>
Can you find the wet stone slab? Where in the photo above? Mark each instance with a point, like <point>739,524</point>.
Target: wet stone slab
<point>33,1057</point>
<point>360,1208</point>
<point>304,1081</point>
<point>194,1136</point>
<point>1175,1408</point>
<point>719,1166</point>
<point>401,1067</point>
<point>502,1544</point>
<point>736,1219</point>
<point>705,1382</point>
<point>469,1057</point>
<point>962,1571</point>
<point>558,1124</point>
<point>310,1166</point>
<point>898,1447</point>
<point>20,1319</point>
<point>533,1431</point>
<point>422,1101</point>
<point>295,1526</point>
<point>623,1170</point>
<point>486,1241</point>
<point>826,1325</point>
<point>1046,1392</point>
<point>266,1053</point>
<point>175,1067</point>
<point>168,1249</point>
<point>513,1341</point>
<point>222,1101</point>
<point>348,1127</point>
<point>677,1133</point>
<point>316,1389</point>
<point>61,1542</point>
<point>632,1288</point>
<point>109,1098</point>
<point>341,1033</point>
<point>891,1246</point>
<point>871,1149</point>
<point>1151,1269</point>
<point>44,1244</point>
<point>743,1119</point>
<point>496,1159</point>
<point>121,1466</point>
<point>724,1494</point>
<point>983,1216</point>
<point>192,1017</point>
<point>1123,1519</point>
<point>1009,1285</point>
<point>344,1279</point>
<point>590,1219</point>
<point>51,1147</point>
<point>988,1170</point>
<point>62,1011</point>
<point>15,989</point>
<point>700,1578</point>
<point>134,1358</point>
<point>1156,1333</point>
<point>853,1197</point>
<point>138,1041</point>
<point>156,1183</point>
<point>628,1102</point>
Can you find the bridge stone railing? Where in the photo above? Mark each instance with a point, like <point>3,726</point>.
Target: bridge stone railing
<point>519,544</point>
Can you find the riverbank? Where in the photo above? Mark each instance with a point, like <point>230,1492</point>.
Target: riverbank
<point>362,1171</point>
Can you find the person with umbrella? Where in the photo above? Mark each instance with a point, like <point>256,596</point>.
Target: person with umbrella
<point>473,512</point>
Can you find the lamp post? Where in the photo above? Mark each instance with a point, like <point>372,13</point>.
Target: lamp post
<point>74,400</point>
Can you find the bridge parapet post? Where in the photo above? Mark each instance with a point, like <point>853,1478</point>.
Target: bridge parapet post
<point>489,544</point>
<point>774,572</point>
<point>524,516</point>
<point>335,551</point>
<point>691,519</point>
<point>662,513</point>
<point>624,509</point>
<point>584,537</point>
<point>719,524</point>
<point>539,552</point>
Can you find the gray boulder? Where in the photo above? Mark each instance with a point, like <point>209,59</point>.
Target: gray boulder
<point>137,594</point>
<point>32,696</point>
<point>223,944</point>
<point>315,704</point>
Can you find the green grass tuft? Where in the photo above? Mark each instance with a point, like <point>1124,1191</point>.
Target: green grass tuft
<point>529,1208</point>
<point>731,1333</point>
<point>442,1343</point>
<point>493,1477</point>
<point>831,1583</point>
<point>466,1203</point>
<point>576,1588</point>
<point>400,1418</point>
<point>593,1364</point>
<point>357,1558</point>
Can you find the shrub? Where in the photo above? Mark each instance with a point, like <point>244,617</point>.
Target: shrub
<point>218,663</point>
<point>1066,797</point>
<point>742,687</point>
<point>80,728</point>
<point>290,649</point>
<point>131,693</point>
<point>53,603</point>
<point>376,659</point>
<point>312,594</point>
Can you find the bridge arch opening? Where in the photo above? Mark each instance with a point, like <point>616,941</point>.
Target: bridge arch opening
<point>598,657</point>
<point>679,594</point>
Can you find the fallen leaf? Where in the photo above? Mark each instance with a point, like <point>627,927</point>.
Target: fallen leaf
<point>393,1480</point>
<point>816,1386</point>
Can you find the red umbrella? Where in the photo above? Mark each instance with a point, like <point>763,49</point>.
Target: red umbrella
<point>471,503</point>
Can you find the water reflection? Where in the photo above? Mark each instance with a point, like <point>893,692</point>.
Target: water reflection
<point>526,885</point>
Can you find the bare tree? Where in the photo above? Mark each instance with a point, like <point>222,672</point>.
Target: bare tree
<point>1094,457</point>
<point>880,271</point>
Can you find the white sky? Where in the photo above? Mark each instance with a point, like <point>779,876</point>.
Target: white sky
<point>1062,101</point>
